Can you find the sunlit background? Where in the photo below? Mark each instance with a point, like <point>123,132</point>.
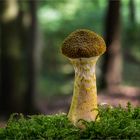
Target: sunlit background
<point>37,78</point>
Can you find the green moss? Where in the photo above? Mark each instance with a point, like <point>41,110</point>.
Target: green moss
<point>116,123</point>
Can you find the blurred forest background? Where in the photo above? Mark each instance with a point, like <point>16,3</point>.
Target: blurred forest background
<point>37,78</point>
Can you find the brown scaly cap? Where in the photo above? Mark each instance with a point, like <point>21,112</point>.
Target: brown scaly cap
<point>83,43</point>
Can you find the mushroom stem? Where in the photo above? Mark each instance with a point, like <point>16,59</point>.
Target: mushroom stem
<point>84,101</point>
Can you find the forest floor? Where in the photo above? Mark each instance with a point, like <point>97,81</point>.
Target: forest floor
<point>113,96</point>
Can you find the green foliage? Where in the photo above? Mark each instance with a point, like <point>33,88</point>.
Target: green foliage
<point>115,123</point>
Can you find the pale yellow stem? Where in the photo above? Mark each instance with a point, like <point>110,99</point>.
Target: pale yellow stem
<point>84,101</point>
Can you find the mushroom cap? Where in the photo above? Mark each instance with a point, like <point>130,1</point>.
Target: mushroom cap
<point>83,43</point>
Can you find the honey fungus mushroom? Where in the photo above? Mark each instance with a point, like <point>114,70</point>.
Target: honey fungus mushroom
<point>83,48</point>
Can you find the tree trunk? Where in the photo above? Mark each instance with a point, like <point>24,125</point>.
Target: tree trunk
<point>10,58</point>
<point>113,58</point>
<point>132,11</point>
<point>32,59</point>
<point>18,39</point>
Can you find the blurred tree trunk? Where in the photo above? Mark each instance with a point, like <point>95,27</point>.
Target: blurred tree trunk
<point>10,58</point>
<point>19,56</point>
<point>113,58</point>
<point>32,59</point>
<point>132,11</point>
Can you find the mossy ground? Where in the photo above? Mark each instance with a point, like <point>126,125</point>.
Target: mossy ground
<point>115,123</point>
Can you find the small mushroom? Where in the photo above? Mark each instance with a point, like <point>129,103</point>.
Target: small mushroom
<point>83,48</point>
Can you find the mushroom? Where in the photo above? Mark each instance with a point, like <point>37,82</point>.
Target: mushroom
<point>83,48</point>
